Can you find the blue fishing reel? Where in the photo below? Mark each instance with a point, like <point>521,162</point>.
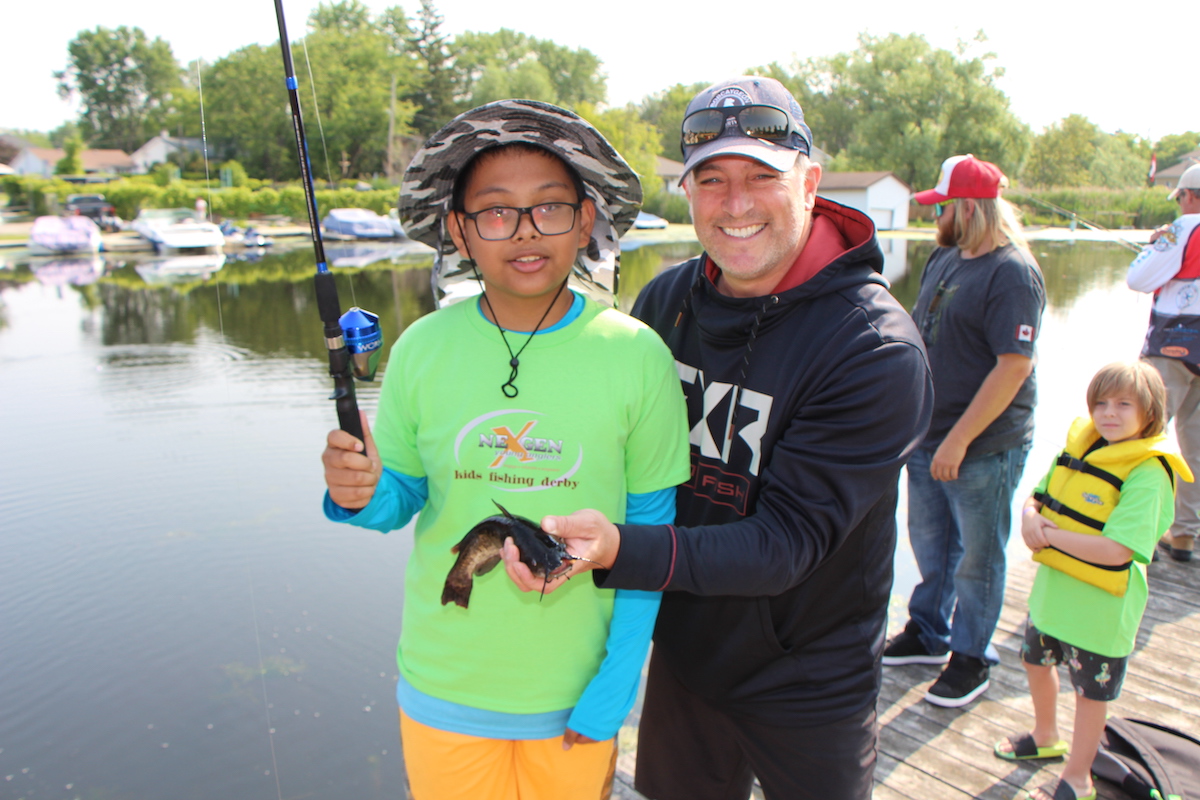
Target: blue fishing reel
<point>364,341</point>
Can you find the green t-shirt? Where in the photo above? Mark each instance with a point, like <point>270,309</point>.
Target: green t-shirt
<point>600,414</point>
<point>1089,617</point>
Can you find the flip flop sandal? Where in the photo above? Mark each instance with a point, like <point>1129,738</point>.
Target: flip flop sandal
<point>1062,791</point>
<point>1024,748</point>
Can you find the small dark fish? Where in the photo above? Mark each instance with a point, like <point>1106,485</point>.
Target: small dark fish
<point>479,553</point>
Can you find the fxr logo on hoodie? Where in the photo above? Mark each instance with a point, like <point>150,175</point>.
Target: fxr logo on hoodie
<point>711,433</point>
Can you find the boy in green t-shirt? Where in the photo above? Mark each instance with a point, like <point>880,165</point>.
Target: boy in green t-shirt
<point>542,399</point>
<point>1093,523</point>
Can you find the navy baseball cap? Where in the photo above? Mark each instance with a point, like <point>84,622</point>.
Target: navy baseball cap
<point>749,116</point>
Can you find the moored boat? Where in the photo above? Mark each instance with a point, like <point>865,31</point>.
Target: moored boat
<point>358,223</point>
<point>176,230</point>
<point>53,236</point>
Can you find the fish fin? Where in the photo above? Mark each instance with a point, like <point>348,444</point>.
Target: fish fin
<point>504,510</point>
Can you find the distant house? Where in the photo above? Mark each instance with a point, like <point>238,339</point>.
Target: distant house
<point>670,172</point>
<point>880,195</point>
<point>164,148</point>
<point>41,161</point>
<point>1169,177</point>
<point>10,145</point>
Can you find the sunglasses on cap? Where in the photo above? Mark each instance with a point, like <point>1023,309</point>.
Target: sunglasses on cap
<point>758,122</point>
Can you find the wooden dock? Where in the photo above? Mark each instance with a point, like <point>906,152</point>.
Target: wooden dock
<point>929,753</point>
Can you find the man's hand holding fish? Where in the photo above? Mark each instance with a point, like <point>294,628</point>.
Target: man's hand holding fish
<point>587,534</point>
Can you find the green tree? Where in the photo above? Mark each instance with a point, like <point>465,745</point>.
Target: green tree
<point>247,115</point>
<point>60,135</point>
<point>434,95</point>
<point>1120,161</point>
<point>353,74</point>
<point>125,83</point>
<point>665,110</point>
<point>897,103</point>
<point>506,63</point>
<point>393,23</point>
<point>70,163</point>
<point>347,16</point>
<point>1171,148</point>
<point>1062,154</point>
<point>635,140</point>
<point>527,79</point>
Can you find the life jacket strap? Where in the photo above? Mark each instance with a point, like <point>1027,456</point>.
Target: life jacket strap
<point>1167,466</point>
<point>1078,465</point>
<point>1058,508</point>
<point>1108,567</point>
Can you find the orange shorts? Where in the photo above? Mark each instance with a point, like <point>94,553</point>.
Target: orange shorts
<point>453,766</point>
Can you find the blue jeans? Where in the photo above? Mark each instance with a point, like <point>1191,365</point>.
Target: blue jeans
<point>958,530</point>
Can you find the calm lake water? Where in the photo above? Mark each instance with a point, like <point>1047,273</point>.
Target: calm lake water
<point>177,619</point>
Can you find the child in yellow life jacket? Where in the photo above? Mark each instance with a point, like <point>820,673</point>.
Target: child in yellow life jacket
<point>1093,523</point>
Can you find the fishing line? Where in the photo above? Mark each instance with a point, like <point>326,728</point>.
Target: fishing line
<point>312,84</point>
<point>204,149</point>
<point>262,672</point>
<point>1137,248</point>
<point>262,679</point>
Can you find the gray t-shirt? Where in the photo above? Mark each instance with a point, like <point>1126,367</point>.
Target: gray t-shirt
<point>970,311</point>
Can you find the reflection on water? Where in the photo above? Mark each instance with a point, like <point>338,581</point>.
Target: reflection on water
<point>177,619</point>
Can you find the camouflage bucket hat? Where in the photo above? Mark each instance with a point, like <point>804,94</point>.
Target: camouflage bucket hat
<point>428,186</point>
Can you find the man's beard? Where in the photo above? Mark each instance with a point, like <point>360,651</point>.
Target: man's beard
<point>945,238</point>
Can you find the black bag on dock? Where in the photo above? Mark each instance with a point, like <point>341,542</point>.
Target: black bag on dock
<point>1149,761</point>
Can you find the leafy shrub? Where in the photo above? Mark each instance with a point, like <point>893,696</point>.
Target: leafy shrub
<point>1108,208</point>
<point>671,207</point>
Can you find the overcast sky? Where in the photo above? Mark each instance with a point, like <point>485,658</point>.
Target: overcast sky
<point>1120,72</point>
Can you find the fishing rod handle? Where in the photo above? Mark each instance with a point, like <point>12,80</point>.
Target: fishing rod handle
<point>340,366</point>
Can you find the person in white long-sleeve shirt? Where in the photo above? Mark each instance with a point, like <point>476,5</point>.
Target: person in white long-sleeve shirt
<point>1170,268</point>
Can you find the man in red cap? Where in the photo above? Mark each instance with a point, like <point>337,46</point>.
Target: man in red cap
<point>1170,268</point>
<point>978,310</point>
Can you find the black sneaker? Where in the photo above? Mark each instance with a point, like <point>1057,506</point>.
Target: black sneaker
<point>963,679</point>
<point>906,648</point>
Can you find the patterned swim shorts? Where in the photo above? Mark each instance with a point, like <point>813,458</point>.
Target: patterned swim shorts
<point>1094,676</point>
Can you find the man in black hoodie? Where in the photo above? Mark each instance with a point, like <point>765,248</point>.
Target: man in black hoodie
<point>807,389</point>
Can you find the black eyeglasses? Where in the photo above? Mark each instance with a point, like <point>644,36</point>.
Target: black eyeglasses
<point>757,122</point>
<point>501,222</point>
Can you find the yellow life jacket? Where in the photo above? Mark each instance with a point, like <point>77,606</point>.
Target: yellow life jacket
<point>1083,490</point>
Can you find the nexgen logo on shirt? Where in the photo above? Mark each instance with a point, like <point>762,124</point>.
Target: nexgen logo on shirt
<point>512,444</point>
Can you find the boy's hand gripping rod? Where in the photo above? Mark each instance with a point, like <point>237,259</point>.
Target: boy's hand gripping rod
<point>359,328</point>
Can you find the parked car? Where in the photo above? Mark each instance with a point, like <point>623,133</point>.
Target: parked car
<point>96,207</point>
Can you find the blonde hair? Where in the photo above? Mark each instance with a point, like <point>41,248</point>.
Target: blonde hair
<point>1139,380</point>
<point>995,223</point>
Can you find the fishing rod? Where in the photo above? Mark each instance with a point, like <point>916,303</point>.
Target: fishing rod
<point>1137,248</point>
<point>354,340</point>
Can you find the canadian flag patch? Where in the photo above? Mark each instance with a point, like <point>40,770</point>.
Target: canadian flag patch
<point>1024,333</point>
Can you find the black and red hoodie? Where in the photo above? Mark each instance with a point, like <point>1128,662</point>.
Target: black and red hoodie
<point>778,573</point>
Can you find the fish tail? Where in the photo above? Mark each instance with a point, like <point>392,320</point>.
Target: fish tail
<point>457,592</point>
